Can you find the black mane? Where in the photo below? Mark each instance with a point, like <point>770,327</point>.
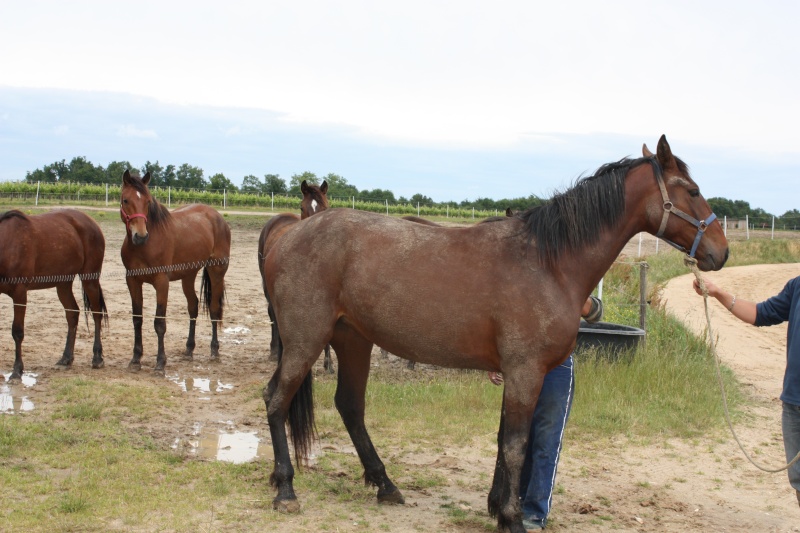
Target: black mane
<point>157,213</point>
<point>13,213</point>
<point>575,217</point>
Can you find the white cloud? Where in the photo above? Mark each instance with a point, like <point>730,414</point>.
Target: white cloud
<point>129,130</point>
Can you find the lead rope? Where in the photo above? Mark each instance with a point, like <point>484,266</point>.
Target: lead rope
<point>692,264</point>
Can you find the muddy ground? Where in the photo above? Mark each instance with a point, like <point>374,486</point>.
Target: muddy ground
<point>702,485</point>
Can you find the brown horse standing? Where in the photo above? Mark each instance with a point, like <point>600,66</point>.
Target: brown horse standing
<point>49,250</point>
<point>315,200</point>
<point>160,247</point>
<point>504,296</point>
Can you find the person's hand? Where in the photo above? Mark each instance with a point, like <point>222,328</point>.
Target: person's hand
<point>496,378</point>
<point>712,289</point>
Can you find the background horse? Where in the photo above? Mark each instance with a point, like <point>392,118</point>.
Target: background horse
<point>160,247</point>
<point>315,200</point>
<point>49,250</point>
<point>504,296</point>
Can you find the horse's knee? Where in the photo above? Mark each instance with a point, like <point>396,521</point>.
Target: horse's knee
<point>17,333</point>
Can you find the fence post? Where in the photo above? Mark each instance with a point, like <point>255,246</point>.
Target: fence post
<point>725,226</point>
<point>448,210</point>
<point>169,196</point>
<point>473,213</point>
<point>747,225</point>
<point>773,227</point>
<point>272,202</point>
<point>106,194</point>
<point>387,207</point>
<point>224,198</point>
<point>642,295</point>
<point>37,192</point>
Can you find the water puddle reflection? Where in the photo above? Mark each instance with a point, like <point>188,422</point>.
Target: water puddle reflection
<point>12,395</point>
<point>236,335</point>
<point>199,385</point>
<point>227,445</point>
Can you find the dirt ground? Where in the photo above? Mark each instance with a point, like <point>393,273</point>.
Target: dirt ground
<point>703,485</point>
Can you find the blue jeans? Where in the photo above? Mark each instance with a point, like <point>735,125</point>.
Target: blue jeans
<point>544,442</point>
<point>791,440</point>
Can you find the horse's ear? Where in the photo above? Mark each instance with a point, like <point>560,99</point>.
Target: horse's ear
<point>664,156</point>
<point>126,177</point>
<point>324,187</point>
<point>646,151</point>
<point>304,187</point>
<point>509,212</point>
<point>146,178</point>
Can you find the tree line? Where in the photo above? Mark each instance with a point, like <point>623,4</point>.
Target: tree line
<point>186,176</point>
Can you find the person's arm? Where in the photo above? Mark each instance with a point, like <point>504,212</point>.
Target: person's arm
<point>744,310</point>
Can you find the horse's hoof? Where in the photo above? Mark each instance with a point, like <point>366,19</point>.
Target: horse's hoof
<point>392,498</point>
<point>187,357</point>
<point>98,364</point>
<point>286,506</point>
<point>62,365</point>
<point>134,367</point>
<point>14,378</point>
<point>159,371</point>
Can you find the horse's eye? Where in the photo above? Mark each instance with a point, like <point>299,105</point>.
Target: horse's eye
<point>124,200</point>
<point>694,193</point>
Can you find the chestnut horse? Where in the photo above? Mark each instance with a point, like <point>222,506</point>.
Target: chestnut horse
<point>162,246</point>
<point>504,296</point>
<point>315,200</point>
<point>49,250</point>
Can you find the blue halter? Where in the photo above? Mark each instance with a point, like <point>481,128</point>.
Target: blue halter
<point>701,225</point>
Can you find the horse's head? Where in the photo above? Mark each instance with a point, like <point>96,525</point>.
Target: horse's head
<point>315,199</point>
<point>135,202</point>
<point>683,217</point>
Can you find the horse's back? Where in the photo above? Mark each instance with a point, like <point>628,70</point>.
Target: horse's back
<point>202,228</point>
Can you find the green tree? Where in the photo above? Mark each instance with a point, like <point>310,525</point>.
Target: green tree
<point>219,182</point>
<point>377,195</point>
<point>273,184</point>
<point>338,186</point>
<point>251,185</point>
<point>421,199</point>
<point>156,174</point>
<point>115,170</point>
<point>297,179</point>
<point>190,177</point>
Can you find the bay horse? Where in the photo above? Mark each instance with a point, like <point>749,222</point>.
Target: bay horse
<point>315,200</point>
<point>505,296</point>
<point>162,246</point>
<point>46,251</point>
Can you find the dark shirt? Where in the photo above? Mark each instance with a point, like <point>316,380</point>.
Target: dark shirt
<point>780,308</point>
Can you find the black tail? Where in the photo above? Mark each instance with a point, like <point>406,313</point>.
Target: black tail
<point>87,307</point>
<point>301,420</point>
<point>205,293</point>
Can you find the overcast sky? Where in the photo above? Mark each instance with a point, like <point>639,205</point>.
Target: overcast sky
<point>454,100</point>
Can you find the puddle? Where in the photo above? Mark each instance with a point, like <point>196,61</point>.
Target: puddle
<point>236,332</point>
<point>12,397</point>
<point>227,445</point>
<point>199,385</point>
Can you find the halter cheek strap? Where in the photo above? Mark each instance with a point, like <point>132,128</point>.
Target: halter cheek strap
<point>701,225</point>
<point>127,218</point>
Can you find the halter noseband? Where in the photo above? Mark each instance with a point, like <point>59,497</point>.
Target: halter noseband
<point>701,225</point>
<point>127,218</point>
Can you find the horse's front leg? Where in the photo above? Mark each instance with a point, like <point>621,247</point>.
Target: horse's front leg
<point>216,278</point>
<point>135,288</point>
<point>519,400</point>
<point>67,298</point>
<point>20,298</point>
<point>192,304</point>
<point>161,284</point>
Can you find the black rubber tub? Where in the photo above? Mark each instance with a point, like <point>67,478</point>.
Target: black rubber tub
<point>608,338</point>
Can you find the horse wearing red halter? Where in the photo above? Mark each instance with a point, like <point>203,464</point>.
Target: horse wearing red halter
<point>162,246</point>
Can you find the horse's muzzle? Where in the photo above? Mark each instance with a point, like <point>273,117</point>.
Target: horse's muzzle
<point>138,240</point>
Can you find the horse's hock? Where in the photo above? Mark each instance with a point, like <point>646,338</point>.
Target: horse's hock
<point>612,339</point>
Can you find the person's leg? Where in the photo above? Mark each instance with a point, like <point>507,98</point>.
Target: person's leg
<point>544,443</point>
<point>791,443</point>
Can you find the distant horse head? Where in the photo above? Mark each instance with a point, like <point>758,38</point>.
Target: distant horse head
<point>138,208</point>
<point>315,199</point>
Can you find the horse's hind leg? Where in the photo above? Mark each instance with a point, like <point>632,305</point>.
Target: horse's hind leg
<point>353,353</point>
<point>64,291</point>
<point>327,364</point>
<point>216,303</point>
<point>275,344</point>
<point>192,303</point>
<point>94,295</point>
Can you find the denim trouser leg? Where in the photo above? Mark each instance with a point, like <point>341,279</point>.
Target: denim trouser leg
<point>544,443</point>
<point>791,440</point>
